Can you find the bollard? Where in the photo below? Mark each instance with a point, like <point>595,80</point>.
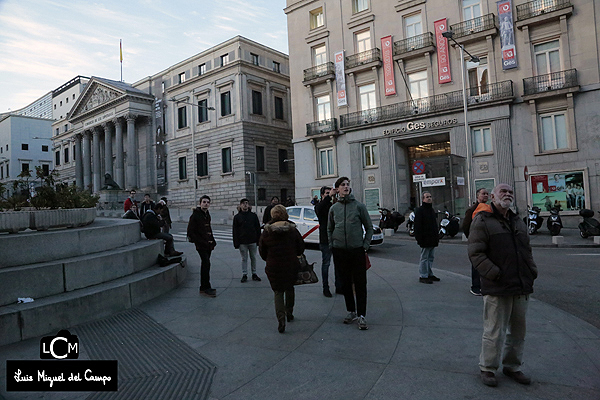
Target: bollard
<point>558,240</point>
<point>388,232</point>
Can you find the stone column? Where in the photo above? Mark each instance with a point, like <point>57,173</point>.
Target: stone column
<point>107,149</point>
<point>131,153</point>
<point>119,169</point>
<point>78,158</point>
<point>87,160</point>
<point>96,162</point>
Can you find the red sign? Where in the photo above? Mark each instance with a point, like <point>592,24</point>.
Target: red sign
<point>444,75</point>
<point>388,65</point>
<point>418,167</point>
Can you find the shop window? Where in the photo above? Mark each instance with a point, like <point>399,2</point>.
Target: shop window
<point>182,117</point>
<point>316,18</point>
<point>554,133</point>
<point>413,25</point>
<point>370,155</point>
<point>359,5</point>
<point>481,138</point>
<point>182,168</point>
<point>257,102</point>
<point>564,189</point>
<point>326,167</point>
<point>225,103</point>
<point>226,160</point>
<point>283,161</point>
<point>260,158</point>
<point>202,163</point>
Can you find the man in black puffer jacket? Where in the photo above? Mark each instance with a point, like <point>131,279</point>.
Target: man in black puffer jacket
<point>426,233</point>
<point>499,249</point>
<point>152,221</point>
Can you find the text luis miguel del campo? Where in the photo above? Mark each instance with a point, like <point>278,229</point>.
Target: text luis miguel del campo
<point>58,369</point>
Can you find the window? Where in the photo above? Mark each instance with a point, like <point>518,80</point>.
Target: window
<point>326,162</point>
<point>276,67</point>
<point>413,25</point>
<point>323,108</point>
<point>363,41</point>
<point>256,102</point>
<point>201,69</point>
<point>481,139</point>
<point>182,77</point>
<point>203,110</point>
<point>471,9</point>
<point>224,60</point>
<point>370,155</point>
<point>66,155</point>
<point>45,169</point>
<point>283,194</point>
<point>202,163</point>
<point>55,106</point>
<point>260,158</point>
<point>67,100</point>
<point>278,107</point>
<point>262,194</point>
<point>182,117</point>
<point>24,146</point>
<point>367,97</point>
<point>316,18</point>
<point>66,127</point>
<point>254,58</point>
<point>547,57</point>
<point>182,168</point>
<point>418,84</point>
<point>319,55</point>
<point>283,161</point>
<point>57,131</point>
<point>226,160</point>
<point>57,157</point>
<point>478,77</point>
<point>61,103</point>
<point>44,148</point>
<point>225,103</point>
<point>359,5</point>
<point>1,171</point>
<point>162,87</point>
<point>554,131</point>
<point>25,168</point>
<point>310,215</point>
<point>73,96</point>
<point>293,212</point>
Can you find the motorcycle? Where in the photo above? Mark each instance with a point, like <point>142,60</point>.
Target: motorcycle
<point>449,225</point>
<point>533,220</point>
<point>590,226</point>
<point>410,224</point>
<point>554,223</point>
<point>390,220</point>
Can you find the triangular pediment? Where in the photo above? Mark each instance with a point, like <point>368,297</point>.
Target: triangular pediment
<point>95,95</point>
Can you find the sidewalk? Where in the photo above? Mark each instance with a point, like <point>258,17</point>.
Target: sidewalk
<point>423,341</point>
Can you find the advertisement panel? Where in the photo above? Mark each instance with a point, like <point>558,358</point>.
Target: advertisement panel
<point>444,75</point>
<point>340,79</point>
<point>388,65</point>
<point>507,35</point>
<point>564,189</point>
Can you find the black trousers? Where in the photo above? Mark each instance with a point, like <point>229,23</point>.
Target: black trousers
<point>204,269</point>
<point>352,268</point>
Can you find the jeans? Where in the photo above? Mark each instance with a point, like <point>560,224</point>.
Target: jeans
<point>503,325</point>
<point>204,269</point>
<point>426,262</point>
<point>244,250</point>
<point>169,244</point>
<point>352,267</point>
<point>284,303</point>
<point>325,263</point>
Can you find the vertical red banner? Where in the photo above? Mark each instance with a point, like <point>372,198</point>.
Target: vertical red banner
<point>388,65</point>
<point>444,75</point>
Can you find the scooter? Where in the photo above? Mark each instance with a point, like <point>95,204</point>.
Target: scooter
<point>449,225</point>
<point>410,224</point>
<point>533,220</point>
<point>389,219</point>
<point>554,223</point>
<point>590,226</point>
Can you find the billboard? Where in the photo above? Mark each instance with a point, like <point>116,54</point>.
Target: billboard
<point>507,35</point>
<point>388,65</point>
<point>444,75</point>
<point>340,79</point>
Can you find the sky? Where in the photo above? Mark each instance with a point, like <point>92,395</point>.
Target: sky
<point>44,44</point>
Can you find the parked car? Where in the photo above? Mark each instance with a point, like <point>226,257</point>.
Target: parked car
<point>306,220</point>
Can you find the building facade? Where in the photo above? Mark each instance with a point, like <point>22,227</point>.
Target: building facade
<point>378,97</point>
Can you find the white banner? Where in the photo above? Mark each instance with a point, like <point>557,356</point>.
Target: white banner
<point>340,79</point>
<point>434,182</point>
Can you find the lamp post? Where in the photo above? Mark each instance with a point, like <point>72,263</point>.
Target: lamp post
<point>474,59</point>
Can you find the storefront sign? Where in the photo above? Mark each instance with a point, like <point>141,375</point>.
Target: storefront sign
<point>507,34</point>
<point>444,75</point>
<point>418,125</point>
<point>419,178</point>
<point>564,189</point>
<point>340,79</point>
<point>388,66</point>
<point>441,181</point>
<point>99,119</point>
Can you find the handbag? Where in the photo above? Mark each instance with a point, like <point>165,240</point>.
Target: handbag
<point>306,273</point>
<point>367,261</point>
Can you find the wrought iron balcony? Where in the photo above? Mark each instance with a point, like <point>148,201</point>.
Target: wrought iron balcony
<point>319,71</point>
<point>540,7</point>
<point>549,82</point>
<point>413,43</point>
<point>363,58</point>
<point>428,105</point>
<point>327,125</point>
<point>474,25</point>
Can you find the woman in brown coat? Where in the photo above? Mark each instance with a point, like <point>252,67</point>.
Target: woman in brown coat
<point>280,245</point>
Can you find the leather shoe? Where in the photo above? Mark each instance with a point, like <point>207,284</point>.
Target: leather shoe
<point>425,280</point>
<point>281,327</point>
<point>517,376</point>
<point>327,293</point>
<point>489,378</point>
<point>434,278</point>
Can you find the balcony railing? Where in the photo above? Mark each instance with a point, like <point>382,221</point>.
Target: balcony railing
<point>365,57</point>
<point>413,43</point>
<point>553,81</point>
<point>474,25</point>
<point>319,71</point>
<point>427,105</point>
<point>540,7</point>
<point>327,125</point>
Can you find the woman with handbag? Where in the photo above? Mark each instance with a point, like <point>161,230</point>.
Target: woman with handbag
<point>280,245</point>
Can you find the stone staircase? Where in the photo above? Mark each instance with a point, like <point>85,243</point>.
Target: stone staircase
<point>77,275</point>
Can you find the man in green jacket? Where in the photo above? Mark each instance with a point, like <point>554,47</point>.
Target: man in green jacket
<point>347,218</point>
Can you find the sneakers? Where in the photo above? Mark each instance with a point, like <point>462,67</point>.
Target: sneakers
<point>425,280</point>
<point>434,278</point>
<point>489,378</point>
<point>209,292</point>
<point>244,278</point>
<point>350,318</point>
<point>327,293</point>
<point>362,323</point>
<point>517,376</point>
<point>476,292</point>
<point>256,278</point>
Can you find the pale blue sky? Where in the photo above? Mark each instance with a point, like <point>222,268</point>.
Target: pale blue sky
<point>43,44</point>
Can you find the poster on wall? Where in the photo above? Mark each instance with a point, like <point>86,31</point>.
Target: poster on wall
<point>487,184</point>
<point>340,79</point>
<point>444,75</point>
<point>559,189</point>
<point>388,65</point>
<point>161,150</point>
<point>507,35</point>
<point>372,201</point>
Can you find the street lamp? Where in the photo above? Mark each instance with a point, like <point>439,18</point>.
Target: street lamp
<point>474,59</point>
